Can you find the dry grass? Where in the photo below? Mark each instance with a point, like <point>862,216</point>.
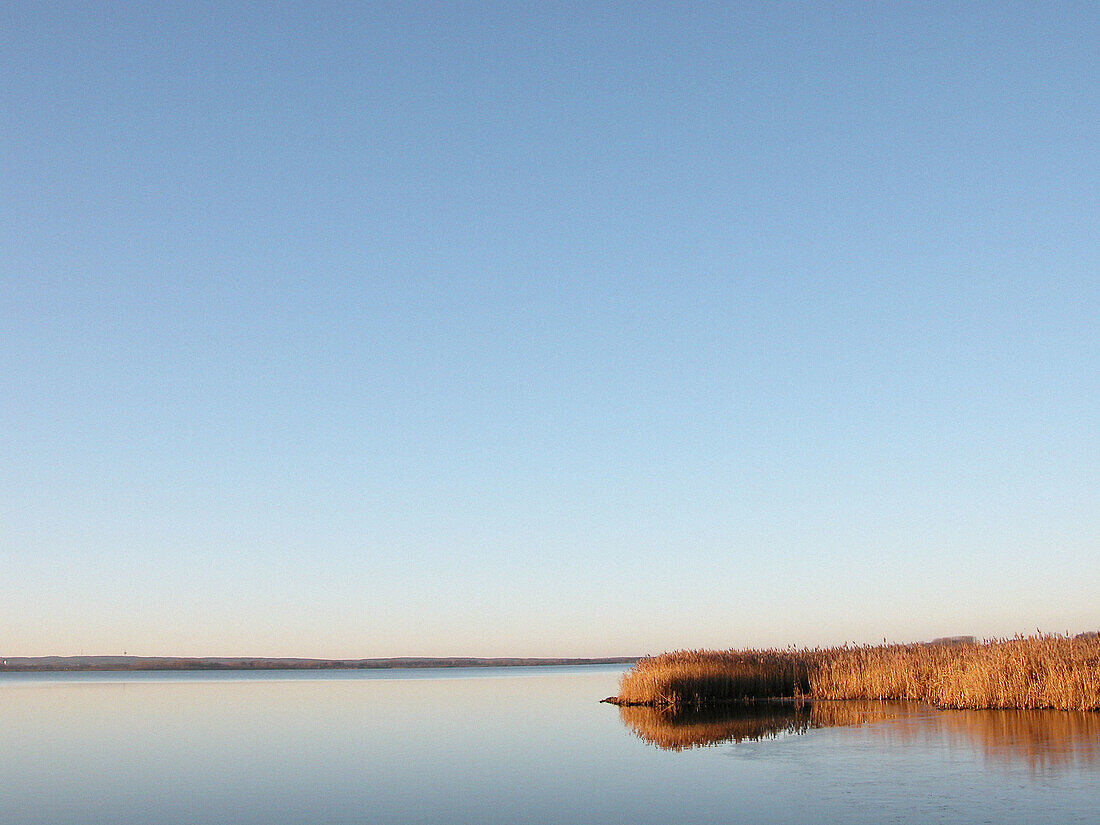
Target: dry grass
<point>1025,672</point>
<point>697,677</point>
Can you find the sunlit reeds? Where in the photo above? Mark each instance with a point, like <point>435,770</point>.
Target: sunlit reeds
<point>696,677</point>
<point>1044,671</point>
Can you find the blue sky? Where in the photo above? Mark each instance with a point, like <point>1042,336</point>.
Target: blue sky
<point>546,329</point>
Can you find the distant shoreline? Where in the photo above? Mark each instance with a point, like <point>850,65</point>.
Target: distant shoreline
<point>60,664</point>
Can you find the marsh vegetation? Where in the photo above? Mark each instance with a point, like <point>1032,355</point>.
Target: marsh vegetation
<point>1044,671</point>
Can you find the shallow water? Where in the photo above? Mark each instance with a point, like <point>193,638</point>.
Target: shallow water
<point>512,745</point>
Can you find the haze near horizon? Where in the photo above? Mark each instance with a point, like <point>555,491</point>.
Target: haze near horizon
<point>367,330</point>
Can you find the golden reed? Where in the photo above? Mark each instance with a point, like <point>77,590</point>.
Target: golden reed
<point>1045,671</point>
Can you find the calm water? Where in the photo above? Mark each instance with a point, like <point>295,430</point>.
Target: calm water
<point>512,745</point>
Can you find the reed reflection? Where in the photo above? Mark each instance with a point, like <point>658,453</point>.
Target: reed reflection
<point>1040,739</point>
<point>677,729</point>
<point>1044,740</point>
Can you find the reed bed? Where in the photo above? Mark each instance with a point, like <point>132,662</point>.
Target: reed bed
<point>1043,671</point>
<point>697,677</point>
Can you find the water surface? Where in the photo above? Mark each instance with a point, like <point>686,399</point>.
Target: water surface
<point>511,745</point>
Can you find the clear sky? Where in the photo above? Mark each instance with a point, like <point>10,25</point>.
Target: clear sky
<point>376,329</point>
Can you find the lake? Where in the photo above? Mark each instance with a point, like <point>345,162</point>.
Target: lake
<point>502,745</point>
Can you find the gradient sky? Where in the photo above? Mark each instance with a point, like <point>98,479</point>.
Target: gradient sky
<point>376,329</point>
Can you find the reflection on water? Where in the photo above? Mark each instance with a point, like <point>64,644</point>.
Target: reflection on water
<point>529,745</point>
<point>675,729</point>
<point>678,729</point>
<point>1042,739</point>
